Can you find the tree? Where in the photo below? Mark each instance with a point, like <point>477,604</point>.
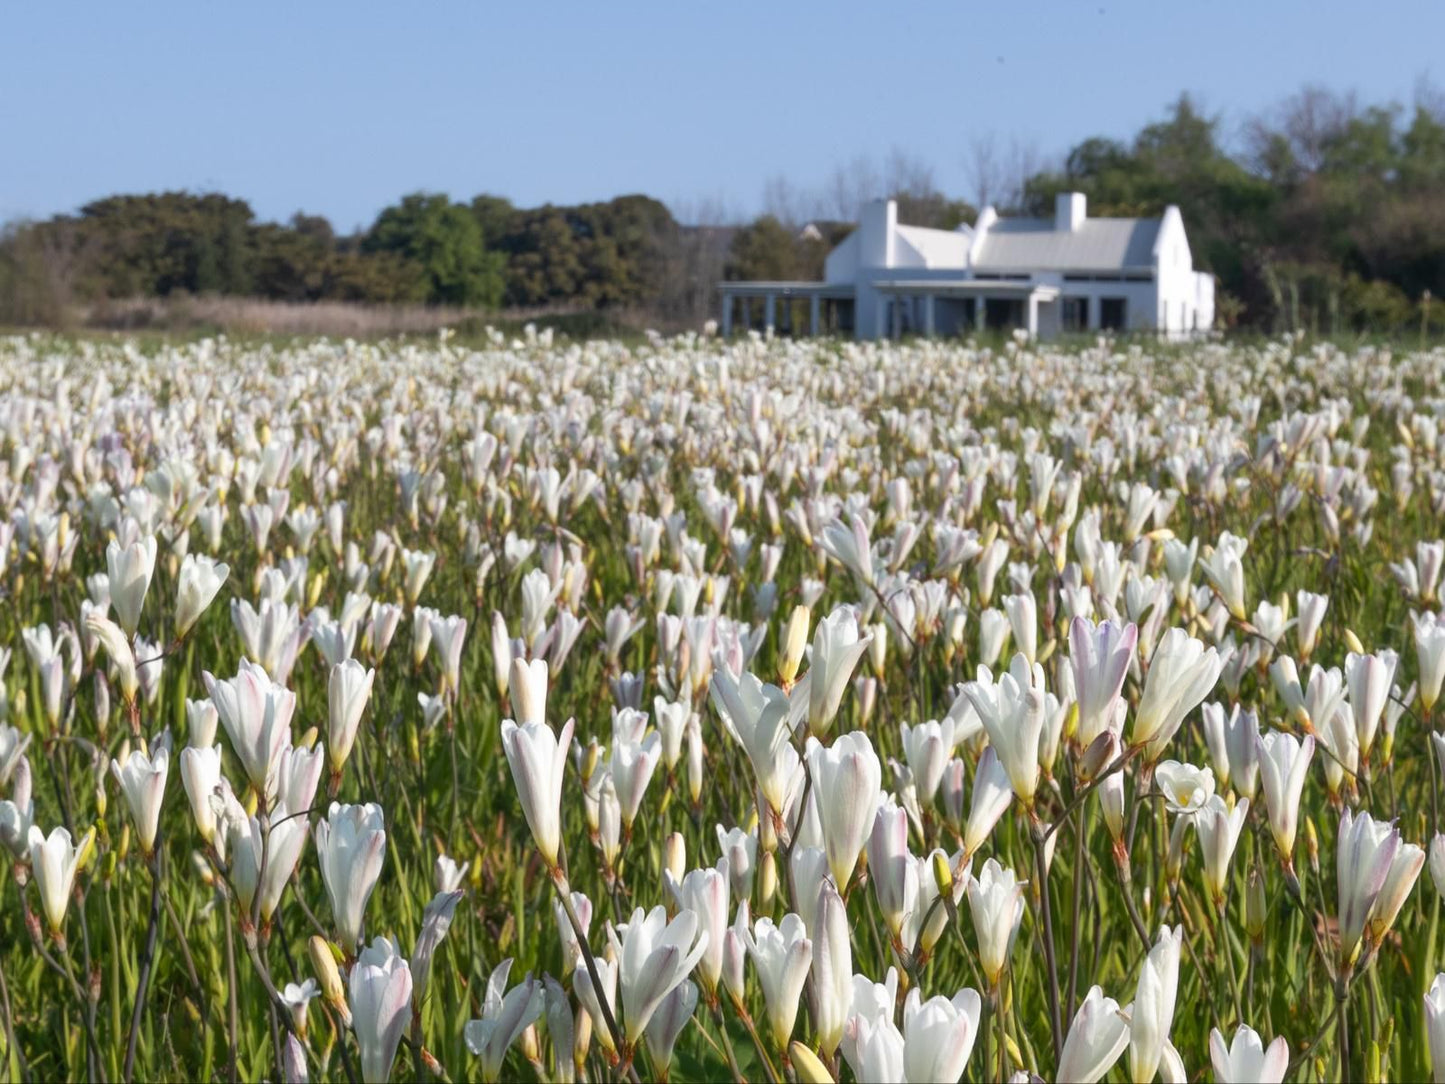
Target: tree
<point>445,240</point>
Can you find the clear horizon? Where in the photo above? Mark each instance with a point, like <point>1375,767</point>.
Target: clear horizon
<point>341,110</point>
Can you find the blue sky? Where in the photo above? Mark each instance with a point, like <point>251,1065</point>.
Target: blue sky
<point>339,108</point>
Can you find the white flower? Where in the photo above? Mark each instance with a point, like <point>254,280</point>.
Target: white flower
<point>996,902</point>
<point>1245,1060</point>
<point>504,1018</point>
<point>351,847</point>
<point>782,955</point>
<point>143,781</point>
<point>1012,711</point>
<point>130,568</point>
<point>380,995</point>
<point>1185,787</point>
<point>1152,1014</point>
<point>846,780</point>
<point>53,862</point>
<point>1181,674</point>
<point>196,587</point>
<point>837,647</point>
<point>256,713</point>
<point>654,956</point>
<point>1096,1039</point>
<point>1284,764</point>
<point>938,1035</point>
<point>538,759</point>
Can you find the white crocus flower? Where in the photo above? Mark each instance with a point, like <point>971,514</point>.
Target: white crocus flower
<point>838,644</point>
<point>538,759</point>
<point>782,955</point>
<point>351,848</point>
<point>130,568</point>
<point>846,780</point>
<point>196,587</point>
<point>504,1018</point>
<point>1152,1013</point>
<point>143,782</point>
<point>654,956</point>
<point>1245,1060</point>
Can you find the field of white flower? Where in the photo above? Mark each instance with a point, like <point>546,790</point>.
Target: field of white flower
<point>732,711</point>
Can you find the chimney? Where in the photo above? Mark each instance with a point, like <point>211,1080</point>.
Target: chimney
<point>1070,210</point>
<point>876,225</point>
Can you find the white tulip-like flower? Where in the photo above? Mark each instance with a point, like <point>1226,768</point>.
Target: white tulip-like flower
<point>130,568</point>
<point>1312,609</point>
<point>1284,764</point>
<point>1437,862</point>
<point>1023,619</point>
<point>1096,1039</point>
<point>588,995</point>
<point>1245,1060</point>
<point>740,849</point>
<point>1181,674</point>
<point>351,848</point>
<point>782,955</point>
<point>1099,656</point>
<point>992,793</point>
<point>1435,1027</point>
<point>1224,568</point>
<point>1012,711</point>
<point>201,722</point>
<point>244,842</point>
<point>838,644</point>
<point>417,566</point>
<point>632,765</point>
<point>1369,678</point>
<point>143,782</point>
<point>347,691</point>
<point>756,715</point>
<point>704,892</point>
<point>832,987</point>
<point>256,713</point>
<point>938,1035</point>
<point>504,1017</point>
<point>1405,870</point>
<point>1219,827</point>
<point>654,956</point>
<point>17,813</point>
<point>196,587</point>
<point>891,867</point>
<point>117,648</point>
<point>1365,851</point>
<point>996,902</point>
<point>1233,741</point>
<point>846,780</point>
<point>1430,653</point>
<point>1185,787</point>
<point>527,686</point>
<point>538,759</point>
<point>848,544</point>
<point>668,1022</point>
<point>379,991</point>
<point>54,860</point>
<point>927,748</point>
<point>1152,1014</point>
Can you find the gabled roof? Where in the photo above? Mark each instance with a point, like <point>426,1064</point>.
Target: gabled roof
<point>1098,244</point>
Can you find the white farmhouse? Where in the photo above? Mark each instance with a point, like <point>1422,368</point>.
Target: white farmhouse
<point>1068,273</point>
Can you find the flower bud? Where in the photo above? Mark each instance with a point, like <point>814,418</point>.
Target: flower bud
<point>806,1064</point>
<point>943,874</point>
<point>675,856</point>
<point>1255,906</point>
<point>767,881</point>
<point>795,639</point>
<point>1098,755</point>
<point>1312,846</point>
<point>323,963</point>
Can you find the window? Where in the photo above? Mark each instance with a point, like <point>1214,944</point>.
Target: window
<point>1113,312</point>
<point>1075,313</point>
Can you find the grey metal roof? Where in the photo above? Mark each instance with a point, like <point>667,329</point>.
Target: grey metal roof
<point>1099,244</point>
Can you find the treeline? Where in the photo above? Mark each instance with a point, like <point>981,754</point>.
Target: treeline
<point>626,252</point>
<point>1322,214</point>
